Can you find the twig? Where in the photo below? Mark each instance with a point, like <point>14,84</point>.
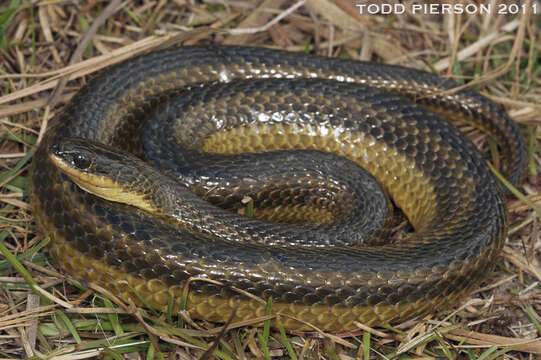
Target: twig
<point>270,23</point>
<point>476,46</point>
<point>220,335</point>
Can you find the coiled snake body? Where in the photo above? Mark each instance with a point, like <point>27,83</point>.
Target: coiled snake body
<point>221,101</point>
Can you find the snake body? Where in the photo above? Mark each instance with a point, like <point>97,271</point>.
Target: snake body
<point>218,102</point>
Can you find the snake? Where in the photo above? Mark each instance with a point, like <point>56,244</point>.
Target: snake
<point>140,182</point>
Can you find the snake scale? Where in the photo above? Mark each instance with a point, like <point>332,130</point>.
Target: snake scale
<point>218,103</point>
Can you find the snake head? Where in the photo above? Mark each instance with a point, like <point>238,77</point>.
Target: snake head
<point>79,158</point>
<point>102,171</point>
<point>87,164</point>
<point>92,166</point>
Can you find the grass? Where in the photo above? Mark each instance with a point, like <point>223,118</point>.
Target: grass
<point>46,314</point>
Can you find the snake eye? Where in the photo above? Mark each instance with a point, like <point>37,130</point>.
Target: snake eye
<point>81,161</point>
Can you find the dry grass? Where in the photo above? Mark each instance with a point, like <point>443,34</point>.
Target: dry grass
<point>48,49</point>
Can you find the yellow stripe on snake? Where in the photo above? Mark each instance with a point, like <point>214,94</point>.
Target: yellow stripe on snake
<point>139,181</point>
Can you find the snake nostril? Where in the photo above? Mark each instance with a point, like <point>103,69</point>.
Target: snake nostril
<point>54,149</point>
